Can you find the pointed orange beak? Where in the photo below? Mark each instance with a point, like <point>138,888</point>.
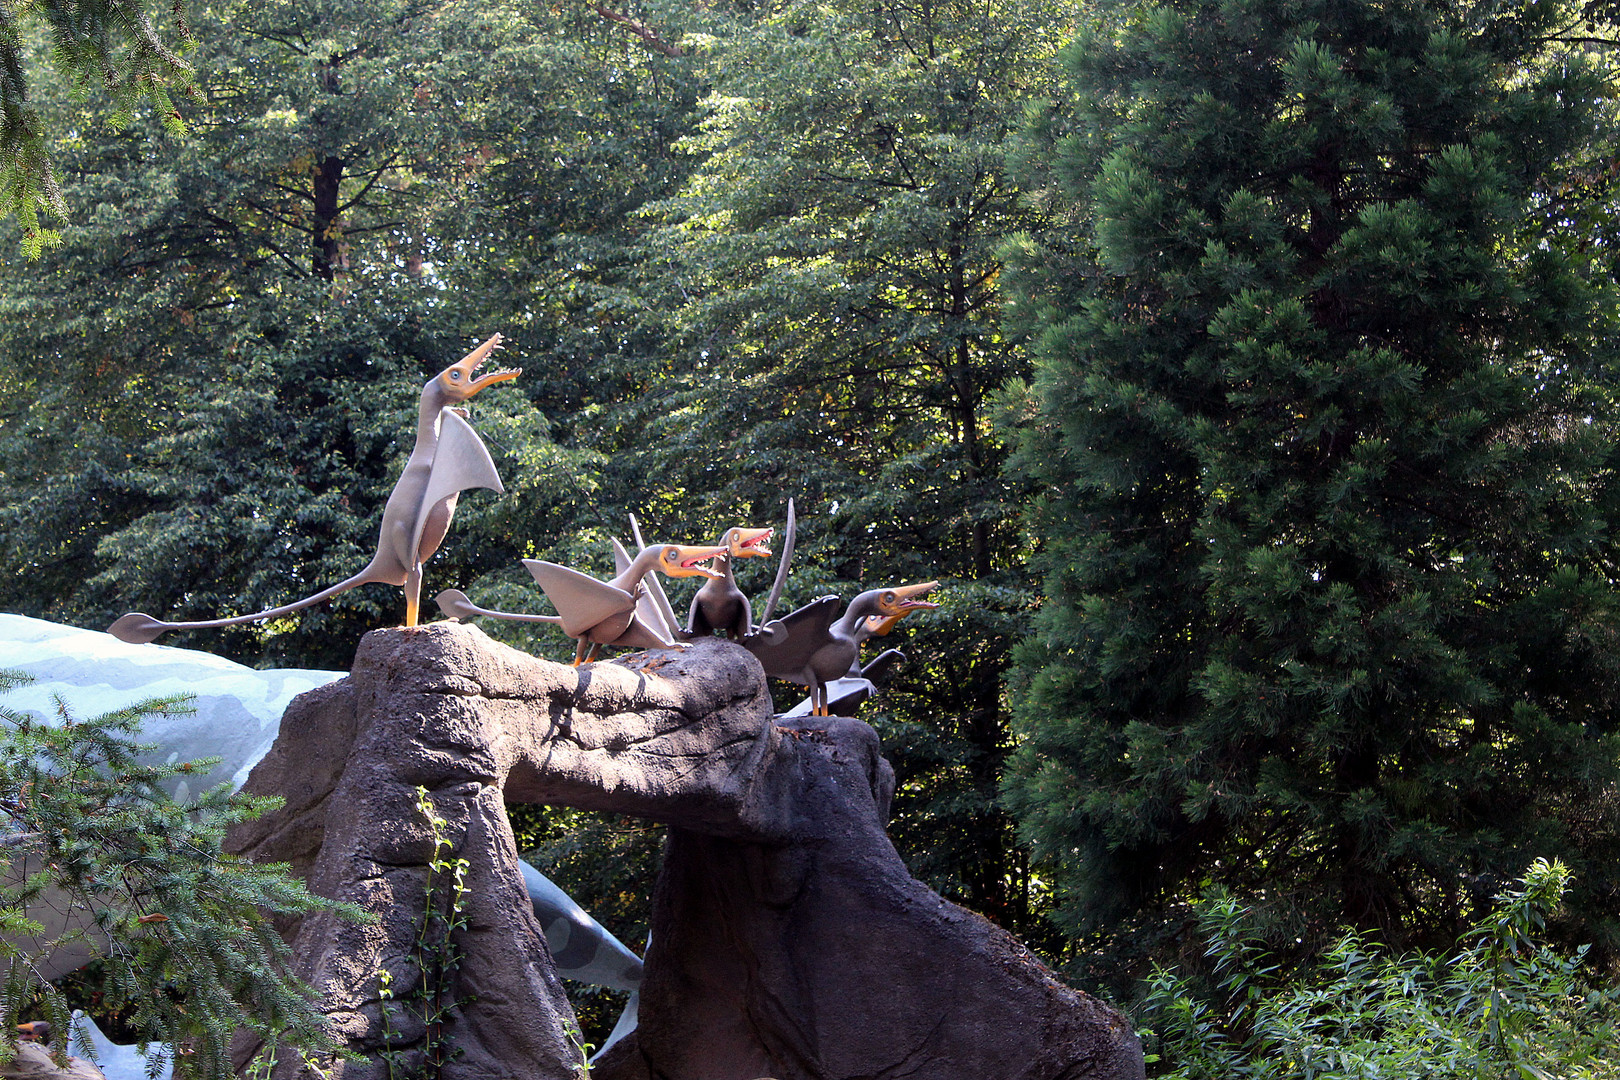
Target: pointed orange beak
<point>688,560</point>
<point>467,367</point>
<point>744,542</point>
<point>909,598</point>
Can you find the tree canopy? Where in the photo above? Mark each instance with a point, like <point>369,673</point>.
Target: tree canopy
<point>1240,367</point>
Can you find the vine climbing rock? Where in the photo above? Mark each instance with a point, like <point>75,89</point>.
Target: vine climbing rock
<point>788,940</point>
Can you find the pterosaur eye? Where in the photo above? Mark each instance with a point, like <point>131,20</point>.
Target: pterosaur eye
<point>456,376</point>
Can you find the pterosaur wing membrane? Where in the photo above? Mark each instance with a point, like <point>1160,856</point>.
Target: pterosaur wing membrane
<point>460,461</point>
<point>784,655</point>
<point>581,600</point>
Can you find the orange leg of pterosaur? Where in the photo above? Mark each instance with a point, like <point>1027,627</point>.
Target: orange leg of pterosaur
<point>413,595</point>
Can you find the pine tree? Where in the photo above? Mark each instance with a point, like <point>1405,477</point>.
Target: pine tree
<point>1324,421</point>
<point>118,47</point>
<point>183,931</point>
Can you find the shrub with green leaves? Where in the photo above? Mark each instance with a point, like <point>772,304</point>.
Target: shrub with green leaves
<point>1503,1005</point>
<point>182,928</point>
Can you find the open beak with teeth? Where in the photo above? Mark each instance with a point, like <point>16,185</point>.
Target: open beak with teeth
<point>461,380</point>
<point>681,560</point>
<point>741,543</point>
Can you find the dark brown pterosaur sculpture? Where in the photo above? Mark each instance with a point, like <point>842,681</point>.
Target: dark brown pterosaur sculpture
<point>846,694</point>
<point>719,604</point>
<point>812,648</point>
<point>447,459</point>
<point>597,613</point>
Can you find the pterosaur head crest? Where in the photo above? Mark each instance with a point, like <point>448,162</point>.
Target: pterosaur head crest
<point>681,560</point>
<point>461,380</point>
<point>904,599</point>
<point>741,543</point>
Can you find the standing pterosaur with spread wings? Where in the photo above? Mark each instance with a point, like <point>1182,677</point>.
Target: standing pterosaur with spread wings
<point>447,459</point>
<point>813,648</point>
<point>598,613</point>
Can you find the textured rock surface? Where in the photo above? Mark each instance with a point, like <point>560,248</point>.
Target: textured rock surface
<point>788,939</point>
<point>812,953</point>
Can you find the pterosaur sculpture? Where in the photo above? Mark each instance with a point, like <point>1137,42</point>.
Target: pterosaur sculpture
<point>720,604</point>
<point>846,694</point>
<point>813,648</point>
<point>448,458</point>
<point>631,610</point>
<point>597,613</point>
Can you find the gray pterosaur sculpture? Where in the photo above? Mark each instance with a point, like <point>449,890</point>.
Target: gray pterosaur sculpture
<point>447,459</point>
<point>597,613</point>
<point>846,694</point>
<point>720,604</point>
<point>813,648</point>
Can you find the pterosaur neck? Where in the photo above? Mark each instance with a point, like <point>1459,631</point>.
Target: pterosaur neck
<point>859,608</point>
<point>644,561</point>
<point>427,417</point>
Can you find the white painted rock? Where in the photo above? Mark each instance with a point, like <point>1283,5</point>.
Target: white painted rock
<point>237,709</point>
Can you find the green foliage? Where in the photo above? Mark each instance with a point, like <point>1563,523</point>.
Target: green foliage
<point>1324,422</point>
<point>115,46</point>
<point>1504,1004</point>
<point>239,309</point>
<point>608,864</point>
<point>188,952</point>
<point>826,283</point>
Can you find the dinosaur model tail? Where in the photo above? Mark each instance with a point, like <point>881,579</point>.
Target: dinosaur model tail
<point>138,629</point>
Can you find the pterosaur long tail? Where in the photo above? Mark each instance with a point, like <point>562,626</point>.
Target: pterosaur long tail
<point>138,628</point>
<point>455,605</point>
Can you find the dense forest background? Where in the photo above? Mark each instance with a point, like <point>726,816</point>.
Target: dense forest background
<point>1244,370</point>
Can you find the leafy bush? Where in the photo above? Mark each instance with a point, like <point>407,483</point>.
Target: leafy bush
<point>1504,1005</point>
<point>182,929</point>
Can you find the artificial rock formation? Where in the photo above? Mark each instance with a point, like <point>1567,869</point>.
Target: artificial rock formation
<point>788,939</point>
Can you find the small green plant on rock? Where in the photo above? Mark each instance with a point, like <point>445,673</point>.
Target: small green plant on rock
<point>430,998</point>
<point>1503,1006</point>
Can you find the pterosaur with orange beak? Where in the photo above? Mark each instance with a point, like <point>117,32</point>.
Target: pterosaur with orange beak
<point>720,604</point>
<point>847,693</point>
<point>447,459</point>
<point>813,649</point>
<point>597,613</point>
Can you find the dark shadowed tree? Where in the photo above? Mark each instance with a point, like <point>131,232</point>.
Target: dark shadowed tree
<point>1323,421</point>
